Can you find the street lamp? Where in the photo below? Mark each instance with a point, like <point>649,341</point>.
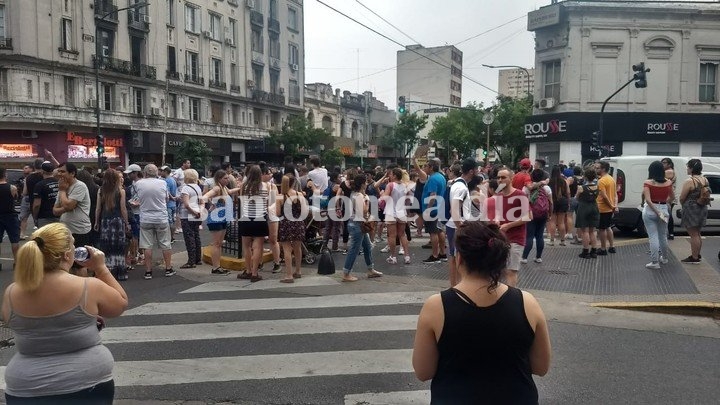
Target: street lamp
<point>527,73</point>
<point>98,55</point>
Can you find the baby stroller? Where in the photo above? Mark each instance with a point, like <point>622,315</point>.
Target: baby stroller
<point>314,242</point>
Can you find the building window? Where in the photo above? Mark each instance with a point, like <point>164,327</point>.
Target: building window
<point>3,84</point>
<point>67,6</point>
<point>273,9</point>
<point>257,76</point>
<point>172,112</point>
<point>275,47</point>
<point>2,21</point>
<point>455,86</point>
<point>292,19</point>
<point>293,55</point>
<point>47,91</point>
<point>194,109</point>
<point>663,148</point>
<point>551,80</point>
<point>107,41</point>
<point>192,69</point>
<point>708,82</point>
<point>192,20</point>
<point>172,60</point>
<point>138,101</point>
<point>66,34</point>
<point>170,12</point>
<point>456,57</point>
<point>216,73</point>
<point>455,100</point>
<point>256,41</point>
<point>215,25</point>
<point>69,91</point>
<point>294,92</point>
<point>274,78</point>
<point>107,97</point>
<point>233,74</point>
<point>29,89</point>
<point>232,30</point>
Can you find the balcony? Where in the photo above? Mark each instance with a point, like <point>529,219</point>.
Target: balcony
<point>125,67</point>
<point>216,84</point>
<point>6,43</point>
<point>256,18</point>
<point>107,9</point>
<point>172,75</point>
<point>274,25</point>
<point>268,98</point>
<point>194,79</point>
<point>294,100</point>
<point>235,88</point>
<point>233,2</point>
<point>139,21</point>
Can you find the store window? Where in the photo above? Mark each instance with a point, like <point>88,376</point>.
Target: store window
<point>663,149</point>
<point>548,151</point>
<point>710,149</point>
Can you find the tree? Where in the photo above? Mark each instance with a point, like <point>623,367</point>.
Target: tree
<point>404,135</point>
<point>510,114</point>
<point>461,129</point>
<point>195,150</point>
<point>298,134</point>
<point>331,158</point>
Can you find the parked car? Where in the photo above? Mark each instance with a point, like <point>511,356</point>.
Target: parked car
<point>630,172</point>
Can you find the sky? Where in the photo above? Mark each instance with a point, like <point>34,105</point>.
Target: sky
<point>350,57</point>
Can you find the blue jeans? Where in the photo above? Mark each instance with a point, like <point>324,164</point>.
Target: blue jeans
<point>171,216</point>
<point>534,231</point>
<point>656,230</point>
<point>357,239</point>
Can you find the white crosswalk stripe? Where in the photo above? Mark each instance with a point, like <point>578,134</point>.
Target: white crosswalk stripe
<point>229,323</point>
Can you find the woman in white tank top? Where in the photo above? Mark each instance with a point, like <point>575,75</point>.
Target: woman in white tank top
<point>395,214</point>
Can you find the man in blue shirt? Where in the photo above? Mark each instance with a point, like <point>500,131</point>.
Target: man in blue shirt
<point>432,195</point>
<point>172,198</point>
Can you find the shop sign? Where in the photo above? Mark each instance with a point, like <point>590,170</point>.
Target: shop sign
<point>544,17</point>
<point>543,129</point>
<point>346,150</point>
<point>90,152</point>
<point>80,140</point>
<point>609,149</point>
<point>17,151</point>
<point>372,151</point>
<point>176,144</point>
<point>663,128</point>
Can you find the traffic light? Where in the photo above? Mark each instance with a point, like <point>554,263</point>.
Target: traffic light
<point>100,144</point>
<point>639,76</point>
<point>595,140</point>
<point>484,153</point>
<point>104,163</point>
<point>401,105</point>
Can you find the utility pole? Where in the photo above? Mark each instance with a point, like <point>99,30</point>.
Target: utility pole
<point>167,108</point>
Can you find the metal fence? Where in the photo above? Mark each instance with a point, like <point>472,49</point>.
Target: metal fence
<point>232,245</point>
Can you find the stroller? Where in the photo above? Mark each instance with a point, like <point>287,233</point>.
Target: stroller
<point>314,242</point>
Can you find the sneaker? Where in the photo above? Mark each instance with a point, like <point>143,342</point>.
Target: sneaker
<point>344,251</point>
<point>653,265</point>
<point>663,260</point>
<point>562,243</point>
<point>611,249</point>
<point>551,243</point>
<point>523,261</point>
<point>385,249</point>
<point>690,260</point>
<point>218,270</point>
<point>538,260</point>
<point>169,272</point>
<point>35,228</point>
<point>443,258</point>
<point>391,260</point>
<point>178,230</point>
<point>276,268</point>
<point>148,275</point>
<point>601,252</point>
<point>431,259</point>
<point>407,259</point>
<point>401,252</point>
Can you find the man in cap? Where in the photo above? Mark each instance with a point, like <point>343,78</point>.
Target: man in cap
<point>522,177</point>
<point>459,209</point>
<point>44,196</point>
<point>134,173</point>
<point>172,188</point>
<point>152,195</point>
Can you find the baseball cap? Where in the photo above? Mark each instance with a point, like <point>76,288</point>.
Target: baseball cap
<point>525,163</point>
<point>164,168</point>
<point>133,168</point>
<point>47,166</point>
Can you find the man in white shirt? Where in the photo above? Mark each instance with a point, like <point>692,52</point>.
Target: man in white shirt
<point>152,193</point>
<point>73,204</point>
<point>318,175</point>
<point>459,209</point>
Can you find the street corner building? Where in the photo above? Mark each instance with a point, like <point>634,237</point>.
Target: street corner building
<point>585,51</point>
<point>227,72</point>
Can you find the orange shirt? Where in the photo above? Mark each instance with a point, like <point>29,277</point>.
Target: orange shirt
<point>607,184</point>
<point>521,179</point>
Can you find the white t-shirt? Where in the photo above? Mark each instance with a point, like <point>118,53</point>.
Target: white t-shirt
<point>179,176</point>
<point>77,220</point>
<point>319,177</point>
<point>153,194</point>
<point>194,193</point>
<point>459,192</point>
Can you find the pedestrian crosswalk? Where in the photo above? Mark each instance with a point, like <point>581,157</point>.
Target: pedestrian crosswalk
<point>219,342</point>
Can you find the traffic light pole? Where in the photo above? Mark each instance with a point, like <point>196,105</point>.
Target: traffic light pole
<point>602,113</point>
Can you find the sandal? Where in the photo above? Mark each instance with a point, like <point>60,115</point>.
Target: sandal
<point>187,266</point>
<point>254,279</point>
<point>349,279</point>
<point>297,275</point>
<point>287,280</point>
<point>374,274</point>
<point>244,275</point>
<point>219,271</point>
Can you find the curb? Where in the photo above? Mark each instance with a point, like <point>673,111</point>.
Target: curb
<point>693,308</point>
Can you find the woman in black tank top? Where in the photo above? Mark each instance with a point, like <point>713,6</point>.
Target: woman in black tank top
<point>481,341</point>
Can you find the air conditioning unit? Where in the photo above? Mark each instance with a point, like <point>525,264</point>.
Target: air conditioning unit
<point>146,19</point>
<point>250,83</point>
<point>229,41</point>
<point>207,34</point>
<point>294,66</point>
<point>282,90</point>
<point>547,103</point>
<point>250,3</point>
<point>155,111</point>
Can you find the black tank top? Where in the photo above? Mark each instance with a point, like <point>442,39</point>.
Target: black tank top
<point>484,353</point>
<point>7,202</point>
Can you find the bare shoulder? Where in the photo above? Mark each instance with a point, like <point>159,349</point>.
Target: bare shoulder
<point>532,309</point>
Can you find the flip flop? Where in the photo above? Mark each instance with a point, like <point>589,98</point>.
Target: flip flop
<point>287,280</point>
<point>297,275</point>
<point>375,274</point>
<point>350,280</point>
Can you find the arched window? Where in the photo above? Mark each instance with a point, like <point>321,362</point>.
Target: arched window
<point>327,124</point>
<point>342,127</point>
<point>311,119</point>
<point>354,133</point>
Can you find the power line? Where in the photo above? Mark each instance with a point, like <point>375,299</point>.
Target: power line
<point>401,45</point>
<point>388,22</point>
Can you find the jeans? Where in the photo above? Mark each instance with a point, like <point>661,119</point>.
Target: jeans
<point>534,231</point>
<point>332,231</point>
<point>357,239</point>
<point>171,216</point>
<point>656,230</point>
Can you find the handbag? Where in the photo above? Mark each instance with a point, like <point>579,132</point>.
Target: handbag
<point>326,264</point>
<point>367,226</point>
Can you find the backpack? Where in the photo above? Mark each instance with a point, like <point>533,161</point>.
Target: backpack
<point>704,196</point>
<point>325,197</point>
<point>539,203</point>
<point>589,195</point>
<point>446,197</point>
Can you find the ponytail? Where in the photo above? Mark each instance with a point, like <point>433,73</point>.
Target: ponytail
<point>29,266</point>
<point>42,253</point>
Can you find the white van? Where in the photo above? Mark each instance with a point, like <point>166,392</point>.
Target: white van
<point>630,172</point>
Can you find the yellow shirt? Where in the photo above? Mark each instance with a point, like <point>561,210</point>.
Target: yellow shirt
<point>606,183</point>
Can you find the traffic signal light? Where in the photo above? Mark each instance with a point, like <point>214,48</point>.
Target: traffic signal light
<point>639,76</point>
<point>484,153</point>
<point>104,163</point>
<point>595,138</point>
<point>100,144</point>
<point>401,105</point>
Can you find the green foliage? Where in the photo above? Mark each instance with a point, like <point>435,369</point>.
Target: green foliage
<point>331,158</point>
<point>298,134</point>
<point>461,129</point>
<point>194,149</point>
<point>404,135</point>
<point>510,117</point>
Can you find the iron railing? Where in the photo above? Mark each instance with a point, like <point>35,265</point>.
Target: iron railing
<point>217,84</point>
<point>273,25</point>
<point>256,18</point>
<point>103,7</point>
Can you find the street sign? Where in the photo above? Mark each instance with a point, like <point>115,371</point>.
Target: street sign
<point>488,118</point>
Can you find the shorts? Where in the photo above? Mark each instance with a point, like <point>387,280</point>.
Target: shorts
<point>256,229</point>
<point>561,206</point>
<point>217,226</point>
<point>450,235</point>
<point>10,223</point>
<point>513,262</point>
<point>434,226</point>
<point>25,208</point>
<point>605,220</point>
<point>171,215</point>
<point>155,234</point>
<point>135,225</point>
